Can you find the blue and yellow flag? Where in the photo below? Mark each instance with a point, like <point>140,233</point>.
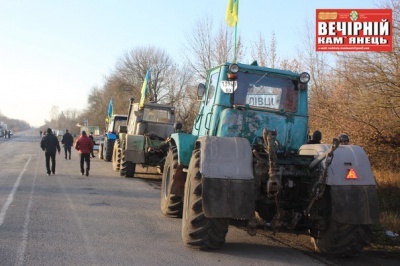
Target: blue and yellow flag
<point>144,89</point>
<point>110,109</point>
<point>232,13</point>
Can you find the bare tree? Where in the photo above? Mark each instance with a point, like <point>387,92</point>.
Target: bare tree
<point>132,69</point>
<point>206,47</point>
<point>260,52</point>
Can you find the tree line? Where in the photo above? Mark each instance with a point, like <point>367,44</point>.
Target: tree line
<point>353,93</point>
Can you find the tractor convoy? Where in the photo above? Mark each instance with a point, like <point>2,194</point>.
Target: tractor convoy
<point>247,159</point>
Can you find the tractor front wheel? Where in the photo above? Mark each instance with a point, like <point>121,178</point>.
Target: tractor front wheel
<point>199,231</point>
<point>127,168</point>
<point>171,204</point>
<point>116,157</point>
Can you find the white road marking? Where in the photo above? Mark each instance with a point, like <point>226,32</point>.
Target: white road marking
<point>12,193</point>
<point>25,232</point>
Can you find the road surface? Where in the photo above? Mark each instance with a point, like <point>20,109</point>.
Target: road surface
<point>104,219</point>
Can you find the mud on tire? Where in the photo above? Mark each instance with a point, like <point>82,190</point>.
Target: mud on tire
<point>197,230</point>
<point>341,240</point>
<point>171,204</point>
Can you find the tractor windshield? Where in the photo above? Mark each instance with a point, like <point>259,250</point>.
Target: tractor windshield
<point>264,91</point>
<point>114,125</point>
<point>157,115</point>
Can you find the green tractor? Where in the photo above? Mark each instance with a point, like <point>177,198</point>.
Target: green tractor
<point>145,138</point>
<point>247,159</point>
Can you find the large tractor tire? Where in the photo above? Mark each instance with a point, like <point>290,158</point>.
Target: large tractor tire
<point>127,169</point>
<point>101,145</point>
<point>108,149</point>
<point>197,230</point>
<point>341,240</point>
<point>116,157</point>
<point>171,204</point>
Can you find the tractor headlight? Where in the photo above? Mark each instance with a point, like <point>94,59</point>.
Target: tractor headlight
<point>234,68</point>
<point>304,77</point>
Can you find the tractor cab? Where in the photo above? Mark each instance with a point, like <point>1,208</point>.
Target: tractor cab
<point>241,100</point>
<point>153,119</point>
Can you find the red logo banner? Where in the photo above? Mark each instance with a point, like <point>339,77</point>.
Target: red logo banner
<point>353,30</point>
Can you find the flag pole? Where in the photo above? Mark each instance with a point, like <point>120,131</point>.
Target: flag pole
<point>234,56</point>
<point>237,19</point>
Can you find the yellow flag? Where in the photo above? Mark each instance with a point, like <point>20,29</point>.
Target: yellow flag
<point>144,89</point>
<point>232,13</point>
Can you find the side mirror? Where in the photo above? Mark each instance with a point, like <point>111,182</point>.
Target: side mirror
<point>201,89</point>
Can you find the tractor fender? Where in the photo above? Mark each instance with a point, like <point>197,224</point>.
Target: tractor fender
<point>352,184</point>
<point>229,158</point>
<point>354,204</point>
<point>134,148</point>
<point>350,165</point>
<point>228,181</point>
<point>185,144</point>
<point>111,136</point>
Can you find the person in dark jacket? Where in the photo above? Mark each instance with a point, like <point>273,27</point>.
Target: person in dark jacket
<point>316,138</point>
<point>84,145</point>
<point>50,145</point>
<point>344,139</point>
<point>94,143</point>
<point>68,141</point>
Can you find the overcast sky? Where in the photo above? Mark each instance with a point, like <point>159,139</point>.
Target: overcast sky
<point>53,52</point>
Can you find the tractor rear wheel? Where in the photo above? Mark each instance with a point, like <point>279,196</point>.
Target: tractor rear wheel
<point>171,204</point>
<point>199,231</point>
<point>338,239</point>
<point>109,147</point>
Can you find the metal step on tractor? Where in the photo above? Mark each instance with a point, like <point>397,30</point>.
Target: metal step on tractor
<point>145,138</point>
<point>247,159</point>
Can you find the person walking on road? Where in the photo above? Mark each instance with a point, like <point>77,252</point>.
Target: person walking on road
<point>94,143</point>
<point>85,146</point>
<point>50,145</point>
<point>68,141</point>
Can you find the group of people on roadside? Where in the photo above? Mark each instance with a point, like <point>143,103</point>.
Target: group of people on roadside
<point>317,136</point>
<point>51,145</point>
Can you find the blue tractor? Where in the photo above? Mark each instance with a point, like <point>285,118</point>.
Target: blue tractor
<point>247,159</point>
<point>106,148</point>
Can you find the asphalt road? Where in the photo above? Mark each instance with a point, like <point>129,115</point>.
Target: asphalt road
<point>104,219</point>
